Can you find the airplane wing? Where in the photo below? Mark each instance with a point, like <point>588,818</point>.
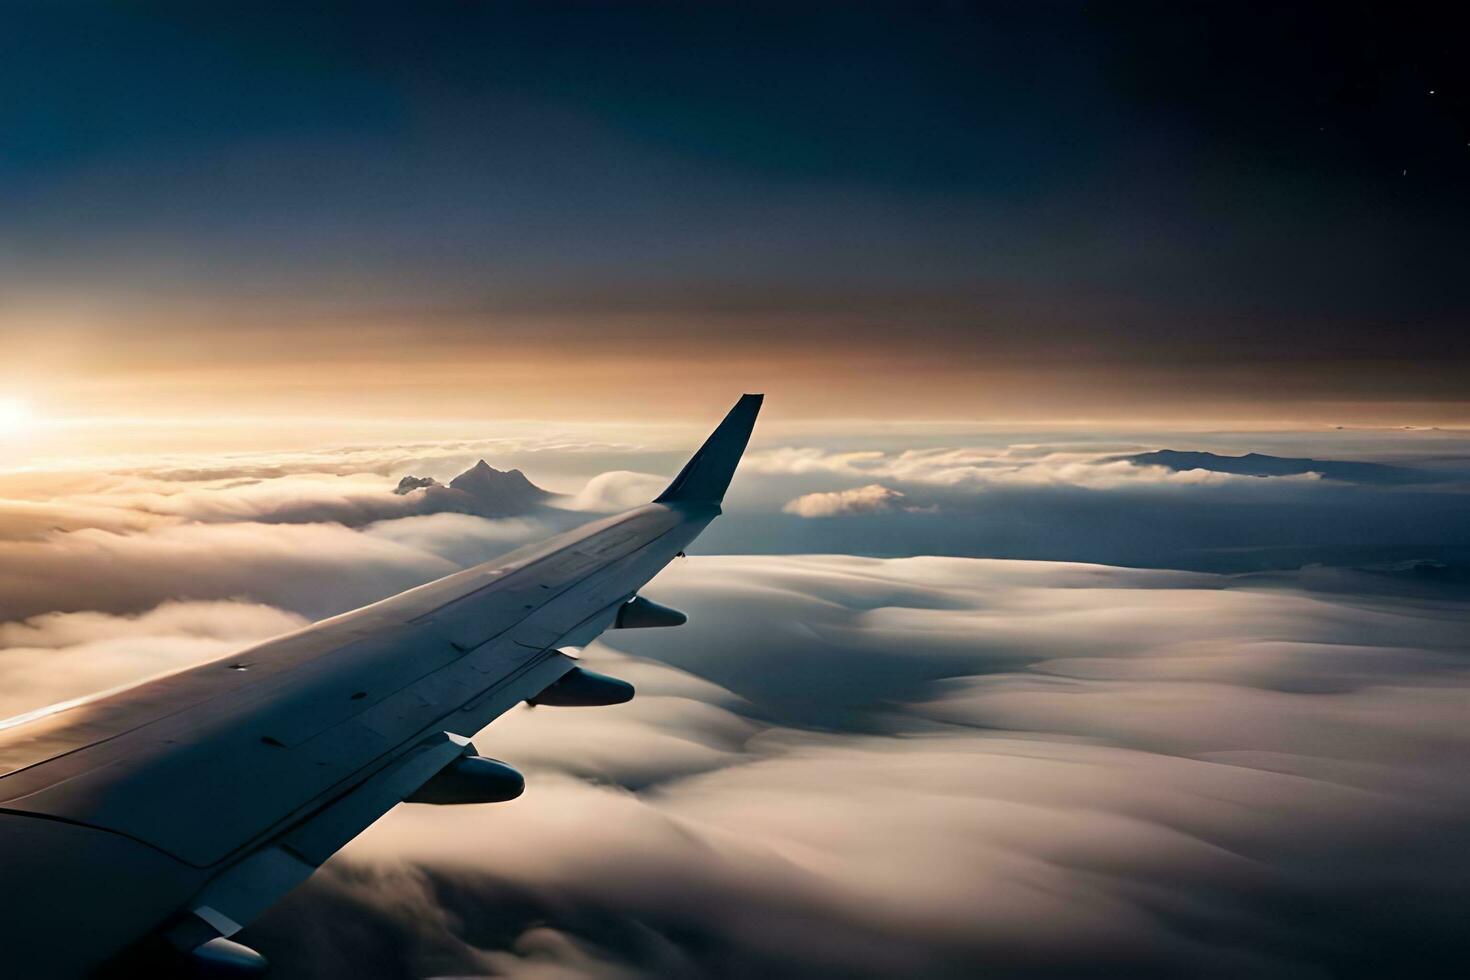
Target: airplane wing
<point>153,823</point>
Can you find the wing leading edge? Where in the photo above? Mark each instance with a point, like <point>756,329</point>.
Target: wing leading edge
<point>205,795</point>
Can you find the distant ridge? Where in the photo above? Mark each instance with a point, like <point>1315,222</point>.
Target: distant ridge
<point>1259,464</point>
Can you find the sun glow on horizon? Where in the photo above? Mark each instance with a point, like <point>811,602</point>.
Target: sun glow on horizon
<point>15,415</point>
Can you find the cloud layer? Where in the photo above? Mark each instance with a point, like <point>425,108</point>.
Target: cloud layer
<point>845,766</point>
<point>59,657</point>
<point>871,499</point>
<point>943,767</point>
<point>1017,465</point>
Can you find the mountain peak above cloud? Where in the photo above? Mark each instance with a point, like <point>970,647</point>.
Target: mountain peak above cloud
<point>484,478</point>
<point>482,490</point>
<point>409,484</point>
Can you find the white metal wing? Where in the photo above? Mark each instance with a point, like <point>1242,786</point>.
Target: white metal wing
<point>157,821</point>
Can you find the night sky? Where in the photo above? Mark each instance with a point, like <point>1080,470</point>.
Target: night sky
<point>1005,210</point>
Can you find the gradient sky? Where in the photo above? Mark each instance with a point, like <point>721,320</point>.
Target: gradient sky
<point>1003,271</point>
<point>1010,211</point>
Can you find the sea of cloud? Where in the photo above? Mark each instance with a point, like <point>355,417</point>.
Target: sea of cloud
<point>845,766</point>
<point>951,767</point>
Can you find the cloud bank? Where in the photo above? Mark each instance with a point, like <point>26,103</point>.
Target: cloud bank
<point>948,767</point>
<point>871,499</point>
<point>849,767</point>
<point>57,657</point>
<point>617,490</point>
<point>1018,465</point>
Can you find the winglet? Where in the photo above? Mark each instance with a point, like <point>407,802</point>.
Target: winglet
<point>706,476</point>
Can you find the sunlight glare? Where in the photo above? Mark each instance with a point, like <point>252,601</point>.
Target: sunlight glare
<point>15,415</point>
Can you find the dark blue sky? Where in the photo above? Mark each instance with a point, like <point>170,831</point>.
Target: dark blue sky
<point>1224,194</point>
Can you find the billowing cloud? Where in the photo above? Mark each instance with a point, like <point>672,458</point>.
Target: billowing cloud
<point>314,569</point>
<point>1014,466</point>
<point>318,498</point>
<point>842,766</point>
<point>349,485</point>
<point>871,499</point>
<point>58,657</point>
<point>316,545</point>
<point>442,458</point>
<point>31,519</point>
<point>460,538</point>
<point>947,767</point>
<point>617,490</point>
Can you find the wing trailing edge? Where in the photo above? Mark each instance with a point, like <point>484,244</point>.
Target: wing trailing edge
<point>706,476</point>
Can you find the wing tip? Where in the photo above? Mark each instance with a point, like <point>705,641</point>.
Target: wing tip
<point>706,476</point>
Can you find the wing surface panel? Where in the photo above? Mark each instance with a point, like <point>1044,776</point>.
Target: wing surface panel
<point>210,779</point>
<point>234,779</point>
